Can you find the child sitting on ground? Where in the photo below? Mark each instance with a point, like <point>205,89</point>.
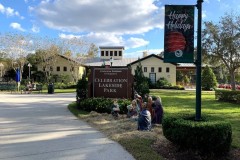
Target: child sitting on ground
<point>115,109</point>
<point>144,120</point>
<point>132,110</point>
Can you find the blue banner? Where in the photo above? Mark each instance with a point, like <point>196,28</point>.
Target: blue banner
<point>18,75</point>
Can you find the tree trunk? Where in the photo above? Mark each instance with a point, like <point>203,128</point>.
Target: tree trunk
<point>233,84</point>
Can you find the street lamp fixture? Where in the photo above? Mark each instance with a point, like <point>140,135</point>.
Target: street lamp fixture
<point>29,73</point>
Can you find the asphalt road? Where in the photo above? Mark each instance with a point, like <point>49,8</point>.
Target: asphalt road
<point>40,127</point>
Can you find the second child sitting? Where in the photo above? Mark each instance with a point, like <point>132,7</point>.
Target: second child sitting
<point>132,109</point>
<point>115,109</point>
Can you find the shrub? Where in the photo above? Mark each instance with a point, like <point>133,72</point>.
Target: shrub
<point>209,80</point>
<point>82,89</point>
<point>238,98</point>
<point>208,136</point>
<point>59,85</point>
<point>227,95</point>
<point>162,82</point>
<point>123,103</point>
<point>102,105</point>
<point>141,83</point>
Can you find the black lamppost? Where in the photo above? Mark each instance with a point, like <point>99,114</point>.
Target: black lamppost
<point>199,62</point>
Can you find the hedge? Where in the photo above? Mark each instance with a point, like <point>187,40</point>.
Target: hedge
<point>228,95</point>
<point>207,136</point>
<point>103,105</point>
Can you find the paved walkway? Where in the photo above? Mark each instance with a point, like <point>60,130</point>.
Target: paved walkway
<point>40,127</point>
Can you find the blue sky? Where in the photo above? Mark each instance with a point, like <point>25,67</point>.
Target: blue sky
<point>136,24</point>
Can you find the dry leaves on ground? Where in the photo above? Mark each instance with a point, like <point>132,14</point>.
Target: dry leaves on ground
<point>124,127</point>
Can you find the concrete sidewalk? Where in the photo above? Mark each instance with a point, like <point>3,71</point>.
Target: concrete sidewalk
<point>40,127</point>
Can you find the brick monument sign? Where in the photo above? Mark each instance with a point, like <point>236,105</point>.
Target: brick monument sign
<point>110,83</point>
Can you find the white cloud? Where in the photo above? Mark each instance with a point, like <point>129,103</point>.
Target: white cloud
<point>9,11</point>
<point>135,42</point>
<point>17,26</point>
<point>204,14</point>
<point>108,39</point>
<point>100,39</point>
<point>2,9</point>
<point>68,36</point>
<point>101,16</point>
<point>139,53</point>
<point>35,29</point>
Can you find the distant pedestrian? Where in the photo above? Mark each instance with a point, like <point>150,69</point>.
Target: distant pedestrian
<point>29,87</point>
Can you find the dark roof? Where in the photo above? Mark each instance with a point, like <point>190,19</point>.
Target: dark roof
<point>111,47</point>
<point>149,56</point>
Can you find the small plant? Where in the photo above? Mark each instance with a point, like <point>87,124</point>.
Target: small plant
<point>82,89</point>
<point>162,83</point>
<point>141,82</point>
<point>209,80</point>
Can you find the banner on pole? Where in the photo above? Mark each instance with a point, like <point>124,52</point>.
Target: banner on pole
<point>18,75</point>
<point>179,33</point>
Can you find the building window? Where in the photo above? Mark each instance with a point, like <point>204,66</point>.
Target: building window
<point>145,69</point>
<point>152,77</point>
<point>167,69</point>
<point>102,53</point>
<point>106,53</point>
<point>152,69</point>
<point>120,53</point>
<point>44,69</point>
<point>111,53</point>
<point>160,69</point>
<point>58,68</point>
<point>65,69</point>
<point>115,53</point>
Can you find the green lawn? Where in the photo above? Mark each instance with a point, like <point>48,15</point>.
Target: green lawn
<point>184,102</point>
<point>59,91</point>
<point>174,102</point>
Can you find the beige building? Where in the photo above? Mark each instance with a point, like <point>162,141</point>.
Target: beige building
<point>152,65</point>
<point>154,68</point>
<point>64,66</point>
